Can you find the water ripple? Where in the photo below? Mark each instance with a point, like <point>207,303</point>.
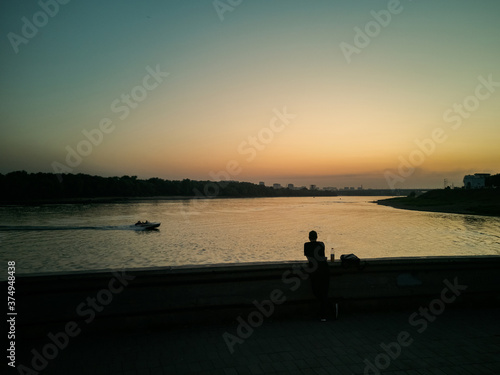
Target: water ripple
<point>75,237</point>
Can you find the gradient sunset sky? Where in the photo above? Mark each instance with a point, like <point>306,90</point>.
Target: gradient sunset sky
<point>353,108</point>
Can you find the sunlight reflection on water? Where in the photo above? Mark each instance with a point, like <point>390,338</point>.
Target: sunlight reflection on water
<point>231,231</point>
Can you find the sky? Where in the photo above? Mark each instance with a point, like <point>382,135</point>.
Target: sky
<point>383,94</point>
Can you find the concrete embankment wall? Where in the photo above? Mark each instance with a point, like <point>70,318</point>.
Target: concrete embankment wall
<point>142,298</point>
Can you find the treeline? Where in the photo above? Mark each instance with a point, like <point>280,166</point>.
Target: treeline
<point>21,186</point>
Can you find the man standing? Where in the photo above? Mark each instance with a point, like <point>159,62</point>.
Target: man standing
<point>320,275</point>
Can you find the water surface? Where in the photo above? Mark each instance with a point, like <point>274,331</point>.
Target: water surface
<point>76,237</point>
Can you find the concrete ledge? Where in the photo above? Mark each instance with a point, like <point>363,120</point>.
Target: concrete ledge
<point>170,295</point>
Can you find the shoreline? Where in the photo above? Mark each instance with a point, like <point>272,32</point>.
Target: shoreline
<point>440,209</point>
<point>464,202</point>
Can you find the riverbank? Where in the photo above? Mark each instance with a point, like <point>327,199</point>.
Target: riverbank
<point>20,187</point>
<point>460,201</point>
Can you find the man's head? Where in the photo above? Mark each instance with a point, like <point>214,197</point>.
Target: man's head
<point>313,236</point>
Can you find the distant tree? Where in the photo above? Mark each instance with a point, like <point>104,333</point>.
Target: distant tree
<point>22,186</point>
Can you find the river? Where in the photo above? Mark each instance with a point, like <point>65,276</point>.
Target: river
<point>79,237</point>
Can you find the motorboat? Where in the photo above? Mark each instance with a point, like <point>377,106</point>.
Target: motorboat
<point>146,225</point>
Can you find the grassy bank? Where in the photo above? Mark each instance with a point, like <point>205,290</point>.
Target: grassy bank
<point>476,202</point>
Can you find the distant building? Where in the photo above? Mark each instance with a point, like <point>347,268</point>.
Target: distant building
<point>276,186</point>
<point>476,181</point>
<point>262,183</point>
<point>290,186</point>
<point>313,187</point>
<point>330,188</point>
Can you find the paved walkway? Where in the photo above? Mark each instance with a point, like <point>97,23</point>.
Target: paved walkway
<point>458,341</point>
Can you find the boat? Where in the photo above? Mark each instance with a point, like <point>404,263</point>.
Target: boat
<point>146,225</point>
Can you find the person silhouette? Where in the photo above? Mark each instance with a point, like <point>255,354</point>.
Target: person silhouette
<point>314,250</point>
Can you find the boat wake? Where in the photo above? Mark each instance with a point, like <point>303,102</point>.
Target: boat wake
<point>5,228</point>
